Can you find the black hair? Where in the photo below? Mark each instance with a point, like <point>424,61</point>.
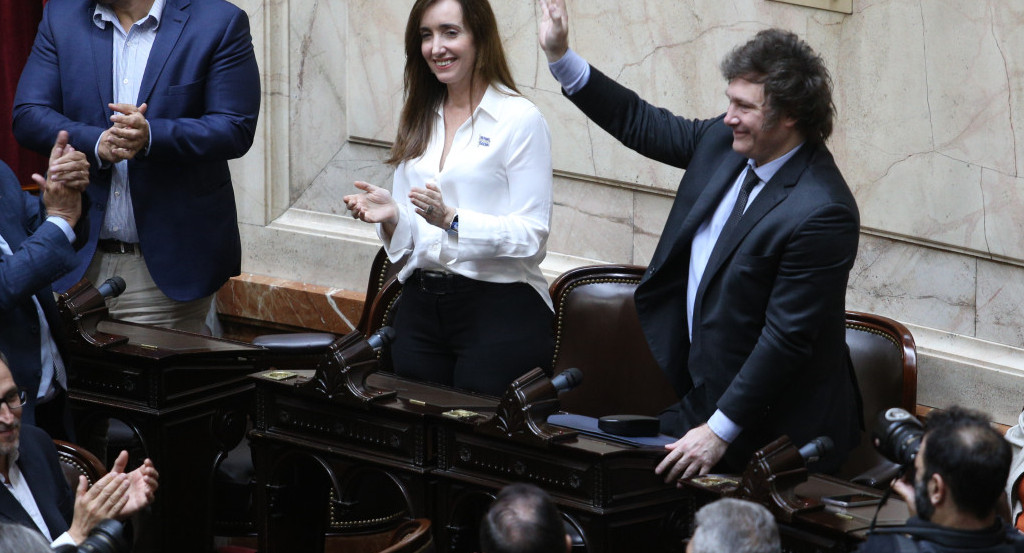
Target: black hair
<point>973,459</point>
<point>796,82</point>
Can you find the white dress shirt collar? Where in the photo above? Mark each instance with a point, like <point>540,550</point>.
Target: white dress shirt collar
<point>103,14</point>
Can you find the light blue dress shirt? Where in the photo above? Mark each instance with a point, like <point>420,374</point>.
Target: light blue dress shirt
<point>131,53</point>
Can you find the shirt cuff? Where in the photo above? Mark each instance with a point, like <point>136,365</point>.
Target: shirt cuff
<point>723,427</point>
<point>96,152</point>
<point>64,226</point>
<point>63,539</point>
<point>571,71</point>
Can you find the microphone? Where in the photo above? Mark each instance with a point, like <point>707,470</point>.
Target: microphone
<point>112,287</point>
<point>567,380</point>
<point>381,338</point>
<point>817,448</point>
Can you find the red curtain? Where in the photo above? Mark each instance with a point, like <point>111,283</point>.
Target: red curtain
<point>19,20</point>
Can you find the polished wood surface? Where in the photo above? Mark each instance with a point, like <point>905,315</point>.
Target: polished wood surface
<point>181,399</point>
<point>439,457</point>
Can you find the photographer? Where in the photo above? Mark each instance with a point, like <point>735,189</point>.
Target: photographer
<point>953,491</point>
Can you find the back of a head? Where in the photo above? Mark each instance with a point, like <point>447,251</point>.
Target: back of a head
<point>16,538</point>
<point>971,456</point>
<point>735,526</point>
<point>522,519</point>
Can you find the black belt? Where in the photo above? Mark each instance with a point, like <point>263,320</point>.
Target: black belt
<point>117,246</point>
<point>440,282</point>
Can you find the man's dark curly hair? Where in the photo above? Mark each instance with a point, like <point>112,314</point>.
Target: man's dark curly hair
<point>796,83</point>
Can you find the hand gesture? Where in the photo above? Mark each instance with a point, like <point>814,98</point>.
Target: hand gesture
<point>374,205</point>
<point>430,205</point>
<point>105,499</point>
<point>66,177</point>
<point>128,135</point>
<point>692,455</point>
<point>905,489</point>
<point>142,481</point>
<point>553,30</point>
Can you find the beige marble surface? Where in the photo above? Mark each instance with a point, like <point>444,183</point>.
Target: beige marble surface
<point>930,136</point>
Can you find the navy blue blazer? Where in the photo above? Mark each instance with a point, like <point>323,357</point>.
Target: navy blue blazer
<point>202,88</point>
<point>768,344</point>
<point>41,254</point>
<point>40,466</point>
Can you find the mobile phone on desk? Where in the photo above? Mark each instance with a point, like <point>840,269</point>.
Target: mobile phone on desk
<point>851,500</point>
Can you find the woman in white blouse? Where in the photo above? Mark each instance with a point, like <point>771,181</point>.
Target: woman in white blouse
<point>471,207</point>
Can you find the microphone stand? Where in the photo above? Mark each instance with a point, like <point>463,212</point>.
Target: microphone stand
<point>82,308</point>
<point>524,409</point>
<point>342,371</point>
<point>771,479</point>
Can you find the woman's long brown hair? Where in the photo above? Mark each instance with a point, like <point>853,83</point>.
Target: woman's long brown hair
<point>424,93</point>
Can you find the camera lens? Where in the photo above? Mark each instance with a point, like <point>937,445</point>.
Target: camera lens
<point>106,537</point>
<point>898,436</point>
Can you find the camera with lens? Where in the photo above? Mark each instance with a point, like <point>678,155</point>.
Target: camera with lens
<point>108,536</point>
<point>897,436</point>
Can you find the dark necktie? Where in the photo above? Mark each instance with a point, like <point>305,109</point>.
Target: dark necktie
<point>749,182</point>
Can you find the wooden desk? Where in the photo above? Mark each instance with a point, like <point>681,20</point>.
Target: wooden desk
<point>404,456</point>
<point>184,399</point>
<point>821,529</point>
<point>326,466</point>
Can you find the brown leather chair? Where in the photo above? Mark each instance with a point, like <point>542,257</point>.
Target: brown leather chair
<point>382,291</point>
<point>412,536</point>
<point>597,331</point>
<point>78,461</point>
<point>885,359</point>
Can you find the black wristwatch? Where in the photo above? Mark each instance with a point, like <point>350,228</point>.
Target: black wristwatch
<point>454,227</point>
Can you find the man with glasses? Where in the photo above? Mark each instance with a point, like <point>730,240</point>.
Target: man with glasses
<point>35,493</point>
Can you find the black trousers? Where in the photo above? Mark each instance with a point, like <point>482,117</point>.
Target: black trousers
<point>470,334</point>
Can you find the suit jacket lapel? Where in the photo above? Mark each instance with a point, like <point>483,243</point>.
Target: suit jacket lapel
<point>172,22</point>
<point>102,43</point>
<point>774,192</point>
<point>11,510</point>
<point>35,471</point>
<point>704,205</point>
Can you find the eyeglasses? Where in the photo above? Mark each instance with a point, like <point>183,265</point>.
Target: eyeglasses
<point>14,400</point>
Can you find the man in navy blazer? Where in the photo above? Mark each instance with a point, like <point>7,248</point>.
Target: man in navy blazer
<point>160,94</point>
<point>743,302</point>
<point>38,237</point>
<point>35,491</point>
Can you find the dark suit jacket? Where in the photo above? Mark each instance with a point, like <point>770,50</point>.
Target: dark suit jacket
<point>768,343</point>
<point>202,88</point>
<point>41,468</point>
<point>41,254</point>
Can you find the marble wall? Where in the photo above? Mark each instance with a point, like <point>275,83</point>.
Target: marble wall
<point>929,136</point>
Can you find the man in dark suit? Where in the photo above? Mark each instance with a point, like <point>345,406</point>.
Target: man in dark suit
<point>35,492</point>
<point>159,94</point>
<point>38,237</point>
<point>743,303</point>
